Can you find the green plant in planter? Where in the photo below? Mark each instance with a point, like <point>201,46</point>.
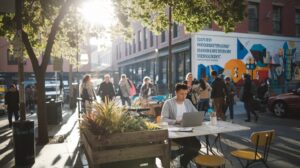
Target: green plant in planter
<point>109,118</point>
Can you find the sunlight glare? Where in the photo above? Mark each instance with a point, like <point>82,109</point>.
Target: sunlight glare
<point>99,12</point>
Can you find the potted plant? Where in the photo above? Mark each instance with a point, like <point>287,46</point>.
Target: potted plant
<point>113,138</point>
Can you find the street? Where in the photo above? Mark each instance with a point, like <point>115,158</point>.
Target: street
<point>284,150</point>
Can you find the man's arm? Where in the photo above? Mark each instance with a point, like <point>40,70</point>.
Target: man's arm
<point>165,114</point>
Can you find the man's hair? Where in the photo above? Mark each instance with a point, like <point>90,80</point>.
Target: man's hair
<point>214,73</point>
<point>181,86</point>
<point>227,78</point>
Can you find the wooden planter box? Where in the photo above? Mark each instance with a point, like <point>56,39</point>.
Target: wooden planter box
<point>130,147</point>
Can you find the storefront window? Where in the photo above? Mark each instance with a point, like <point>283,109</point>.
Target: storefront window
<point>187,56</point>
<point>179,67</point>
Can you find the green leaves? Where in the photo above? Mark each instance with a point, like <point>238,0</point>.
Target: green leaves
<point>193,14</point>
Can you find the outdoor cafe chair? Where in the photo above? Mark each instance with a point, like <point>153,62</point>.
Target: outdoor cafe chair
<point>262,141</point>
<point>210,161</point>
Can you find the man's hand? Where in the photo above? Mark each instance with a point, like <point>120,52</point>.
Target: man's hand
<point>178,122</point>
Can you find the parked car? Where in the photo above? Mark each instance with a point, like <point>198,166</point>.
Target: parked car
<point>285,103</point>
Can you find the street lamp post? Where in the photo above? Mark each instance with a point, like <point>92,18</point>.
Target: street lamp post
<point>250,65</point>
<point>156,65</point>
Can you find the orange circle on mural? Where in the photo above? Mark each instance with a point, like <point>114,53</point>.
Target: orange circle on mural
<point>236,68</point>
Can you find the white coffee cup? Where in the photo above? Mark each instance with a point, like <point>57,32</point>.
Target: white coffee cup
<point>213,120</point>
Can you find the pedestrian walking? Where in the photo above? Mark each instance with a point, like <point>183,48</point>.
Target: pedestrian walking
<point>106,89</point>
<point>247,97</point>
<point>230,92</point>
<point>147,88</point>
<point>124,90</point>
<point>12,103</point>
<point>218,94</point>
<point>204,93</point>
<point>87,93</point>
<point>193,88</point>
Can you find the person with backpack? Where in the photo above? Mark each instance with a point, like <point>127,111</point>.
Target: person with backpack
<point>124,90</point>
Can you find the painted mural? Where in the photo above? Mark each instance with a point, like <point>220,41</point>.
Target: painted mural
<point>234,54</point>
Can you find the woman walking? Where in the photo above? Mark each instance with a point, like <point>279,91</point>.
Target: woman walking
<point>193,88</point>
<point>204,93</point>
<point>87,93</point>
<point>124,90</point>
<point>147,88</point>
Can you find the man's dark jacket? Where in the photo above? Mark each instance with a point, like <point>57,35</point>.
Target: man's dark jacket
<point>218,88</point>
<point>12,100</point>
<point>106,89</point>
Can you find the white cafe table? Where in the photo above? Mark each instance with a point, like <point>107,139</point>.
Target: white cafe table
<point>206,129</point>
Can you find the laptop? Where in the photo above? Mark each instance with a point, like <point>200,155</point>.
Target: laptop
<point>192,119</point>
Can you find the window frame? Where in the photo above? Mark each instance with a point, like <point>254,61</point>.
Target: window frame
<point>297,24</point>
<point>145,38</point>
<point>175,30</point>
<point>11,59</point>
<point>163,36</point>
<point>253,19</point>
<point>277,21</point>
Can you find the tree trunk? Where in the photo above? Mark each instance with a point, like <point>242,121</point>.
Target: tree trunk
<point>41,109</point>
<point>40,71</point>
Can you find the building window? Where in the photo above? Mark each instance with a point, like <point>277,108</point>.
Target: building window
<point>129,48</point>
<point>11,59</point>
<point>297,22</point>
<point>175,30</point>
<point>277,19</point>
<point>151,39</point>
<point>120,53</point>
<point>117,50</point>
<point>145,38</point>
<point>253,16</point>
<point>126,50</point>
<point>180,75</point>
<point>163,36</point>
<point>133,44</point>
<point>139,40</point>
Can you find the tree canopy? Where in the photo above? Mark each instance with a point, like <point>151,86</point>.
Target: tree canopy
<point>193,14</point>
<point>49,28</point>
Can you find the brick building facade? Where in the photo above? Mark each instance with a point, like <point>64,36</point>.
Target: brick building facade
<point>146,54</point>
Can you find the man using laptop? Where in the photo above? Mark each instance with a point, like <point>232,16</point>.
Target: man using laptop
<point>172,113</point>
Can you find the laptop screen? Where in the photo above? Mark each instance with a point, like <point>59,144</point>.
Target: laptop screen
<point>192,119</point>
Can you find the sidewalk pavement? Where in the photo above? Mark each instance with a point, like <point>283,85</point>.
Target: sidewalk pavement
<point>60,154</point>
<point>62,149</point>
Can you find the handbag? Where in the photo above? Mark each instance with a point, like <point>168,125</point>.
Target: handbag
<point>85,95</point>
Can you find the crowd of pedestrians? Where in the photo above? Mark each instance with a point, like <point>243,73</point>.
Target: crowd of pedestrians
<point>218,94</point>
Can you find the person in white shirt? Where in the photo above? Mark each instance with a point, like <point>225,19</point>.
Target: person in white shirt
<point>172,113</point>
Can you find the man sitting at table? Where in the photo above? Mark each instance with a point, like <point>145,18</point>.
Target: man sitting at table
<point>172,112</point>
